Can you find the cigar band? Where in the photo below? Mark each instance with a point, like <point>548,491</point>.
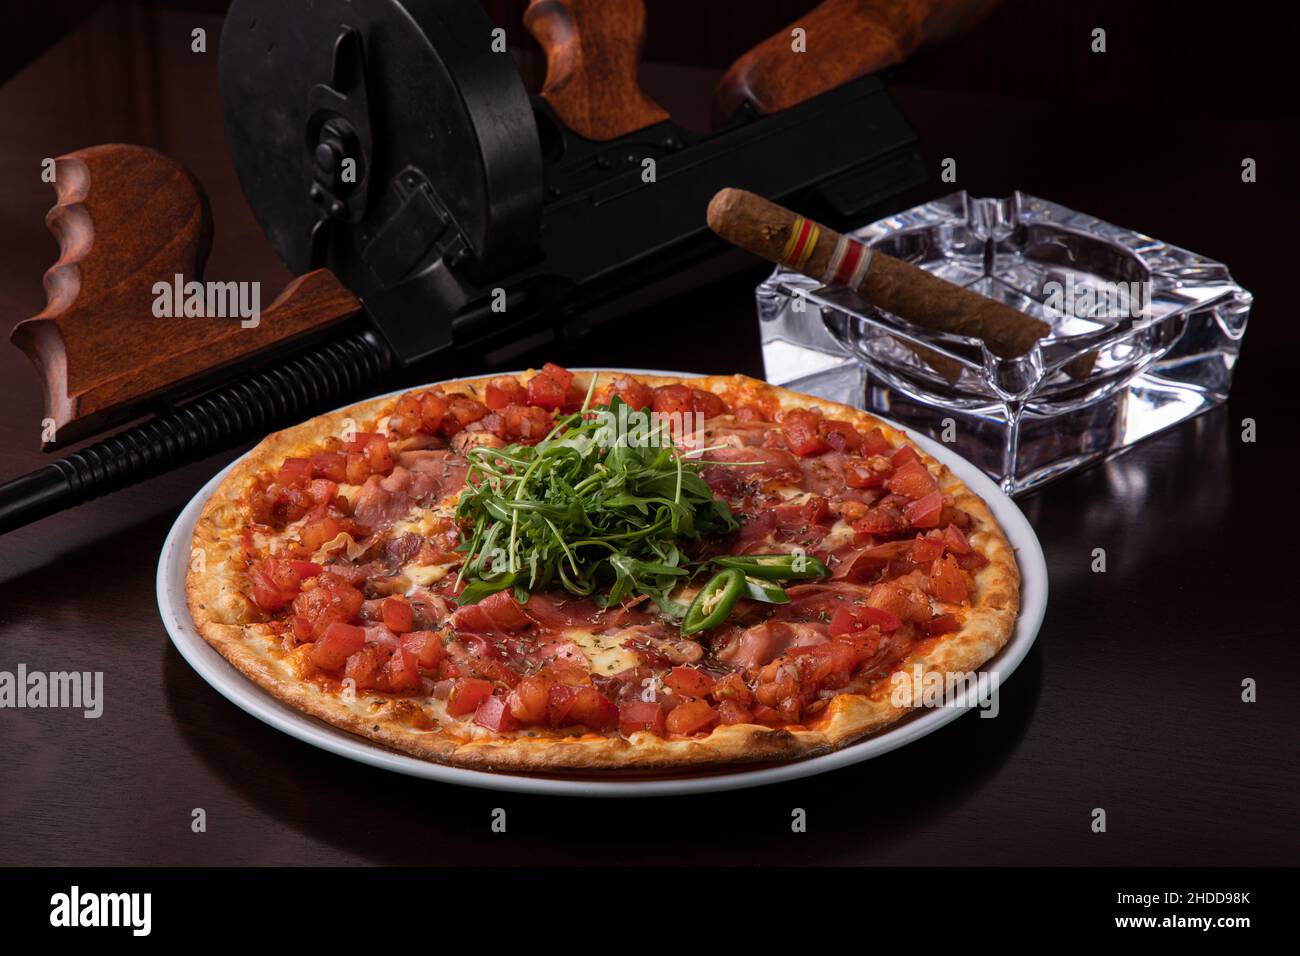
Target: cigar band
<point>849,263</point>
<point>804,234</point>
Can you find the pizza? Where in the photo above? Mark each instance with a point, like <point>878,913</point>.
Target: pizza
<point>563,571</point>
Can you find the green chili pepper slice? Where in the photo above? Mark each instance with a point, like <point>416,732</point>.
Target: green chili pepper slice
<point>776,567</point>
<point>756,589</point>
<point>714,602</point>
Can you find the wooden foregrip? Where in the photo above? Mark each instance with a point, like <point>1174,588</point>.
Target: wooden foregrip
<point>128,219</point>
<point>841,40</point>
<point>593,49</point>
<point>912,294</point>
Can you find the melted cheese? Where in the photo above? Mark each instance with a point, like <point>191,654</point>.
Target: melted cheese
<point>604,652</point>
<point>422,575</point>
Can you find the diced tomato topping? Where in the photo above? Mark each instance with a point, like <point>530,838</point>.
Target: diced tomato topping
<point>802,430</point>
<point>925,512</point>
<point>849,619</point>
<point>402,672</point>
<point>332,599</point>
<point>750,413</point>
<point>559,700</point>
<point>692,717</point>
<point>530,700</point>
<point>365,668</point>
<point>427,647</point>
<point>672,400</point>
<point>302,628</point>
<point>494,714</point>
<point>955,540</point>
<point>903,455</point>
<point>844,621</point>
<point>305,569</point>
<point>322,492</point>
<point>841,436</point>
<point>405,419</point>
<point>336,644</point>
<point>592,709</point>
<point>374,447</point>
<point>912,480</point>
<point>881,520</point>
<point>865,644</point>
<point>926,549</point>
<point>319,531</point>
<point>276,582</point>
<point>733,712</point>
<point>635,716</point>
<point>546,391</point>
<point>433,409</point>
<point>946,581</point>
<point>857,474</point>
<point>461,411</point>
<point>972,561</point>
<point>830,666</point>
<point>706,403</point>
<point>504,391</point>
<point>525,424</point>
<point>466,694</point>
<point>357,468</point>
<point>559,373</point>
<point>943,624</point>
<point>732,687</point>
<point>635,394</point>
<point>398,615</point>
<point>689,682</point>
<point>331,465</point>
<point>874,442</point>
<point>902,598</point>
<point>294,471</point>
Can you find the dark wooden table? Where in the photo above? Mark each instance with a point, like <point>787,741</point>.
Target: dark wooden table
<point>1129,701</point>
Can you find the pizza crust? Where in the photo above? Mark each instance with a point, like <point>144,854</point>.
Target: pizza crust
<point>227,621</point>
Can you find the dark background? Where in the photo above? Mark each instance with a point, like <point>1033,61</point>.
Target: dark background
<point>1130,700</point>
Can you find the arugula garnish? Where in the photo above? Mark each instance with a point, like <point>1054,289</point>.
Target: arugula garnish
<point>597,507</point>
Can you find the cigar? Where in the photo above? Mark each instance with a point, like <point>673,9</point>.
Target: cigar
<point>914,295</point>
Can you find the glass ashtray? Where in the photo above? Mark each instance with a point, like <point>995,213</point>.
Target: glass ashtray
<point>1144,335</point>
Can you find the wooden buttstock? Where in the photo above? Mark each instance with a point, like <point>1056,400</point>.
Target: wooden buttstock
<point>593,49</point>
<point>844,39</point>
<point>126,219</point>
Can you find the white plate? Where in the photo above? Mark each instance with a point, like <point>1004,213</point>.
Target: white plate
<point>214,669</point>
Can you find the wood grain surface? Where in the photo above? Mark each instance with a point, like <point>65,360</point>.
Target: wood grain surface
<point>129,222</point>
<point>1130,700</point>
<point>593,51</point>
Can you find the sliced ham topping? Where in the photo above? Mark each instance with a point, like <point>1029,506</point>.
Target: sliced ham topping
<point>496,612</point>
<point>770,464</point>
<point>383,500</point>
<point>419,477</point>
<point>863,564</point>
<point>823,474</point>
<point>751,433</point>
<point>431,610</point>
<point>555,612</point>
<point>763,643</point>
<point>449,468</point>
